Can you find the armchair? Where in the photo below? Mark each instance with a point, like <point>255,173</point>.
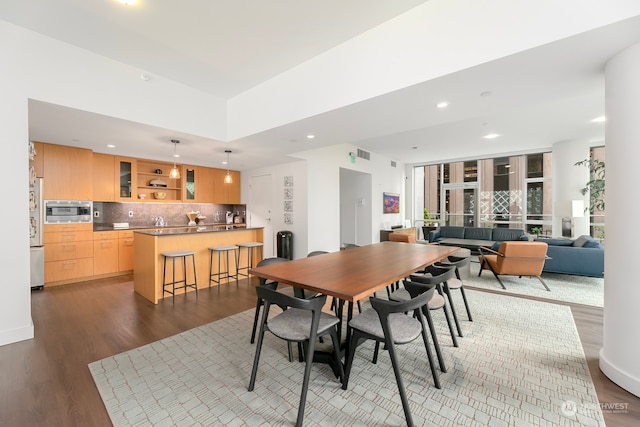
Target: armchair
<point>515,259</point>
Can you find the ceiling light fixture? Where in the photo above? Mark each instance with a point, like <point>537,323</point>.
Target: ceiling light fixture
<point>127,2</point>
<point>227,177</point>
<point>443,104</point>
<point>491,136</point>
<point>310,136</point>
<point>175,172</point>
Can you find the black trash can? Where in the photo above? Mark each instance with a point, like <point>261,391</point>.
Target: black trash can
<point>285,244</point>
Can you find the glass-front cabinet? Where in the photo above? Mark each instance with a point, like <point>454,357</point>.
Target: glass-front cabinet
<point>125,179</point>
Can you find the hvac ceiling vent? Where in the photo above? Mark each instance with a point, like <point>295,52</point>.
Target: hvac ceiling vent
<point>364,154</point>
<point>393,164</point>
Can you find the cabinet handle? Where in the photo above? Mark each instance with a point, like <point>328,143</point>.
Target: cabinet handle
<point>128,242</point>
<point>69,245</point>
<point>105,244</point>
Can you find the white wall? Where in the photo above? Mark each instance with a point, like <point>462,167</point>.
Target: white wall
<point>297,170</point>
<point>621,352</point>
<point>324,196</point>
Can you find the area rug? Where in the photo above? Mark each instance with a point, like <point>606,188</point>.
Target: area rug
<point>520,363</point>
<point>564,287</point>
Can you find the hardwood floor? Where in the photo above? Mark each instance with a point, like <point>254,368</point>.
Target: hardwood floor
<point>46,381</point>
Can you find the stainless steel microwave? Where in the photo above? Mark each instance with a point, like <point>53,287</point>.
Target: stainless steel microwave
<point>61,211</point>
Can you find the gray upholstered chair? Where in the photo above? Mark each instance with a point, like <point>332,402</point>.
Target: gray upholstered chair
<point>389,323</point>
<point>302,321</point>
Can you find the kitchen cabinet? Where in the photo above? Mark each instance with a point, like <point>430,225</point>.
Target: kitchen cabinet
<point>125,179</point>
<point>105,252</point>
<point>67,173</point>
<point>68,253</point>
<point>224,193</point>
<point>125,250</point>
<point>148,171</point>
<point>103,174</point>
<point>198,182</point>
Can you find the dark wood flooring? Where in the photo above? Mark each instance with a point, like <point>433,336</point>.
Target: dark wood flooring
<point>46,382</point>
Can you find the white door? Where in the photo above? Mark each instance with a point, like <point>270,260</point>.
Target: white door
<point>260,208</point>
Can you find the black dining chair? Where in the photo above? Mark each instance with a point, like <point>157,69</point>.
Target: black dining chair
<point>456,283</point>
<point>389,322</point>
<point>302,321</point>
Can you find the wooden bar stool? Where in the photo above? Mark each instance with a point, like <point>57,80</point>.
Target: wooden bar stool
<point>172,256</point>
<point>226,274</point>
<point>249,247</point>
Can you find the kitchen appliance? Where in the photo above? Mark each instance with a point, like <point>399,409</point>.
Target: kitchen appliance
<point>36,216</point>
<point>67,211</point>
<point>192,217</point>
<point>229,217</point>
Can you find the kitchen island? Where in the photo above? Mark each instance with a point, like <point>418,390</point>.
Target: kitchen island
<point>149,244</point>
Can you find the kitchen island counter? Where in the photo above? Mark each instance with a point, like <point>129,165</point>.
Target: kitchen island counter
<point>149,244</point>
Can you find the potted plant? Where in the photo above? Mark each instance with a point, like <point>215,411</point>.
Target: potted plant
<point>429,225</point>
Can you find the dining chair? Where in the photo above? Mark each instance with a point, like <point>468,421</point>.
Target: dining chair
<point>302,321</point>
<point>456,283</point>
<point>259,303</point>
<point>389,322</point>
<point>436,302</point>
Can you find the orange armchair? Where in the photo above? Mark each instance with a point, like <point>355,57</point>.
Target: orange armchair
<point>515,259</point>
<point>398,237</point>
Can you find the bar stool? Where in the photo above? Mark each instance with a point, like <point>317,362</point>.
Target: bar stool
<point>249,247</point>
<point>226,274</point>
<point>172,256</point>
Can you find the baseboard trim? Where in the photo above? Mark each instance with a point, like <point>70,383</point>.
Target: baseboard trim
<point>618,376</point>
<point>15,335</point>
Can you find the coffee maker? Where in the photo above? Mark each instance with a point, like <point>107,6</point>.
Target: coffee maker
<point>229,217</point>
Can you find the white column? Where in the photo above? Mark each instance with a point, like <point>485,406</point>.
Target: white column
<point>621,352</point>
<point>568,179</point>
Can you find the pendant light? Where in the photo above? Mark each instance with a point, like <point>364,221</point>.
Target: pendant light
<point>227,177</point>
<point>175,172</point>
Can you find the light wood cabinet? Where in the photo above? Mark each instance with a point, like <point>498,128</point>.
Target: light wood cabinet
<point>125,180</point>
<point>68,253</point>
<point>105,252</point>
<point>198,184</point>
<point>103,176</point>
<point>226,193</point>
<point>125,250</point>
<point>67,172</point>
<point>147,171</point>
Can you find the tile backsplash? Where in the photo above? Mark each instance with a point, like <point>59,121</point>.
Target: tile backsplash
<point>172,213</point>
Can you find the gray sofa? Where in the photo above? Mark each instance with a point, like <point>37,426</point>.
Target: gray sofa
<point>583,256</point>
<point>476,236</point>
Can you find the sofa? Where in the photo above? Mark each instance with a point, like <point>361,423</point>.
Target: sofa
<point>583,256</point>
<point>473,237</point>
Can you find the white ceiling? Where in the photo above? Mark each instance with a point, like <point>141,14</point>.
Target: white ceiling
<point>538,97</point>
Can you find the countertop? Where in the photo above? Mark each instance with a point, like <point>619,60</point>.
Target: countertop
<point>173,231</point>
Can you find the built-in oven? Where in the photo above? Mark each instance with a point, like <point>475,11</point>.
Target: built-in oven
<point>61,211</point>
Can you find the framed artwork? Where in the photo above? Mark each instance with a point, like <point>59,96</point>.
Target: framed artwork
<point>390,203</point>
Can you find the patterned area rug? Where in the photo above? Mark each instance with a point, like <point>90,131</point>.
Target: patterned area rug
<point>564,287</point>
<point>520,363</point>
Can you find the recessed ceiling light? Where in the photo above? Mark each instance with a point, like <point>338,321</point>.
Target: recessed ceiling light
<point>443,104</point>
<point>491,136</point>
<point>310,136</point>
<point>600,119</point>
<point>111,146</point>
<point>127,2</point>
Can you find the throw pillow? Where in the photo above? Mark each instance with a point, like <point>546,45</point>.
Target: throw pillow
<point>580,241</point>
<point>592,244</point>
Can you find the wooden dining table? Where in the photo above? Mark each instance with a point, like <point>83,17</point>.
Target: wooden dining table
<point>356,273</point>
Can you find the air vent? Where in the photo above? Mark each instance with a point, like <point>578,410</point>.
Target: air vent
<point>393,164</point>
<point>364,154</point>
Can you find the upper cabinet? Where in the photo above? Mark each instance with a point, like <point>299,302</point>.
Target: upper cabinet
<point>226,193</point>
<point>67,172</point>
<point>103,173</point>
<point>78,174</point>
<point>125,180</point>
